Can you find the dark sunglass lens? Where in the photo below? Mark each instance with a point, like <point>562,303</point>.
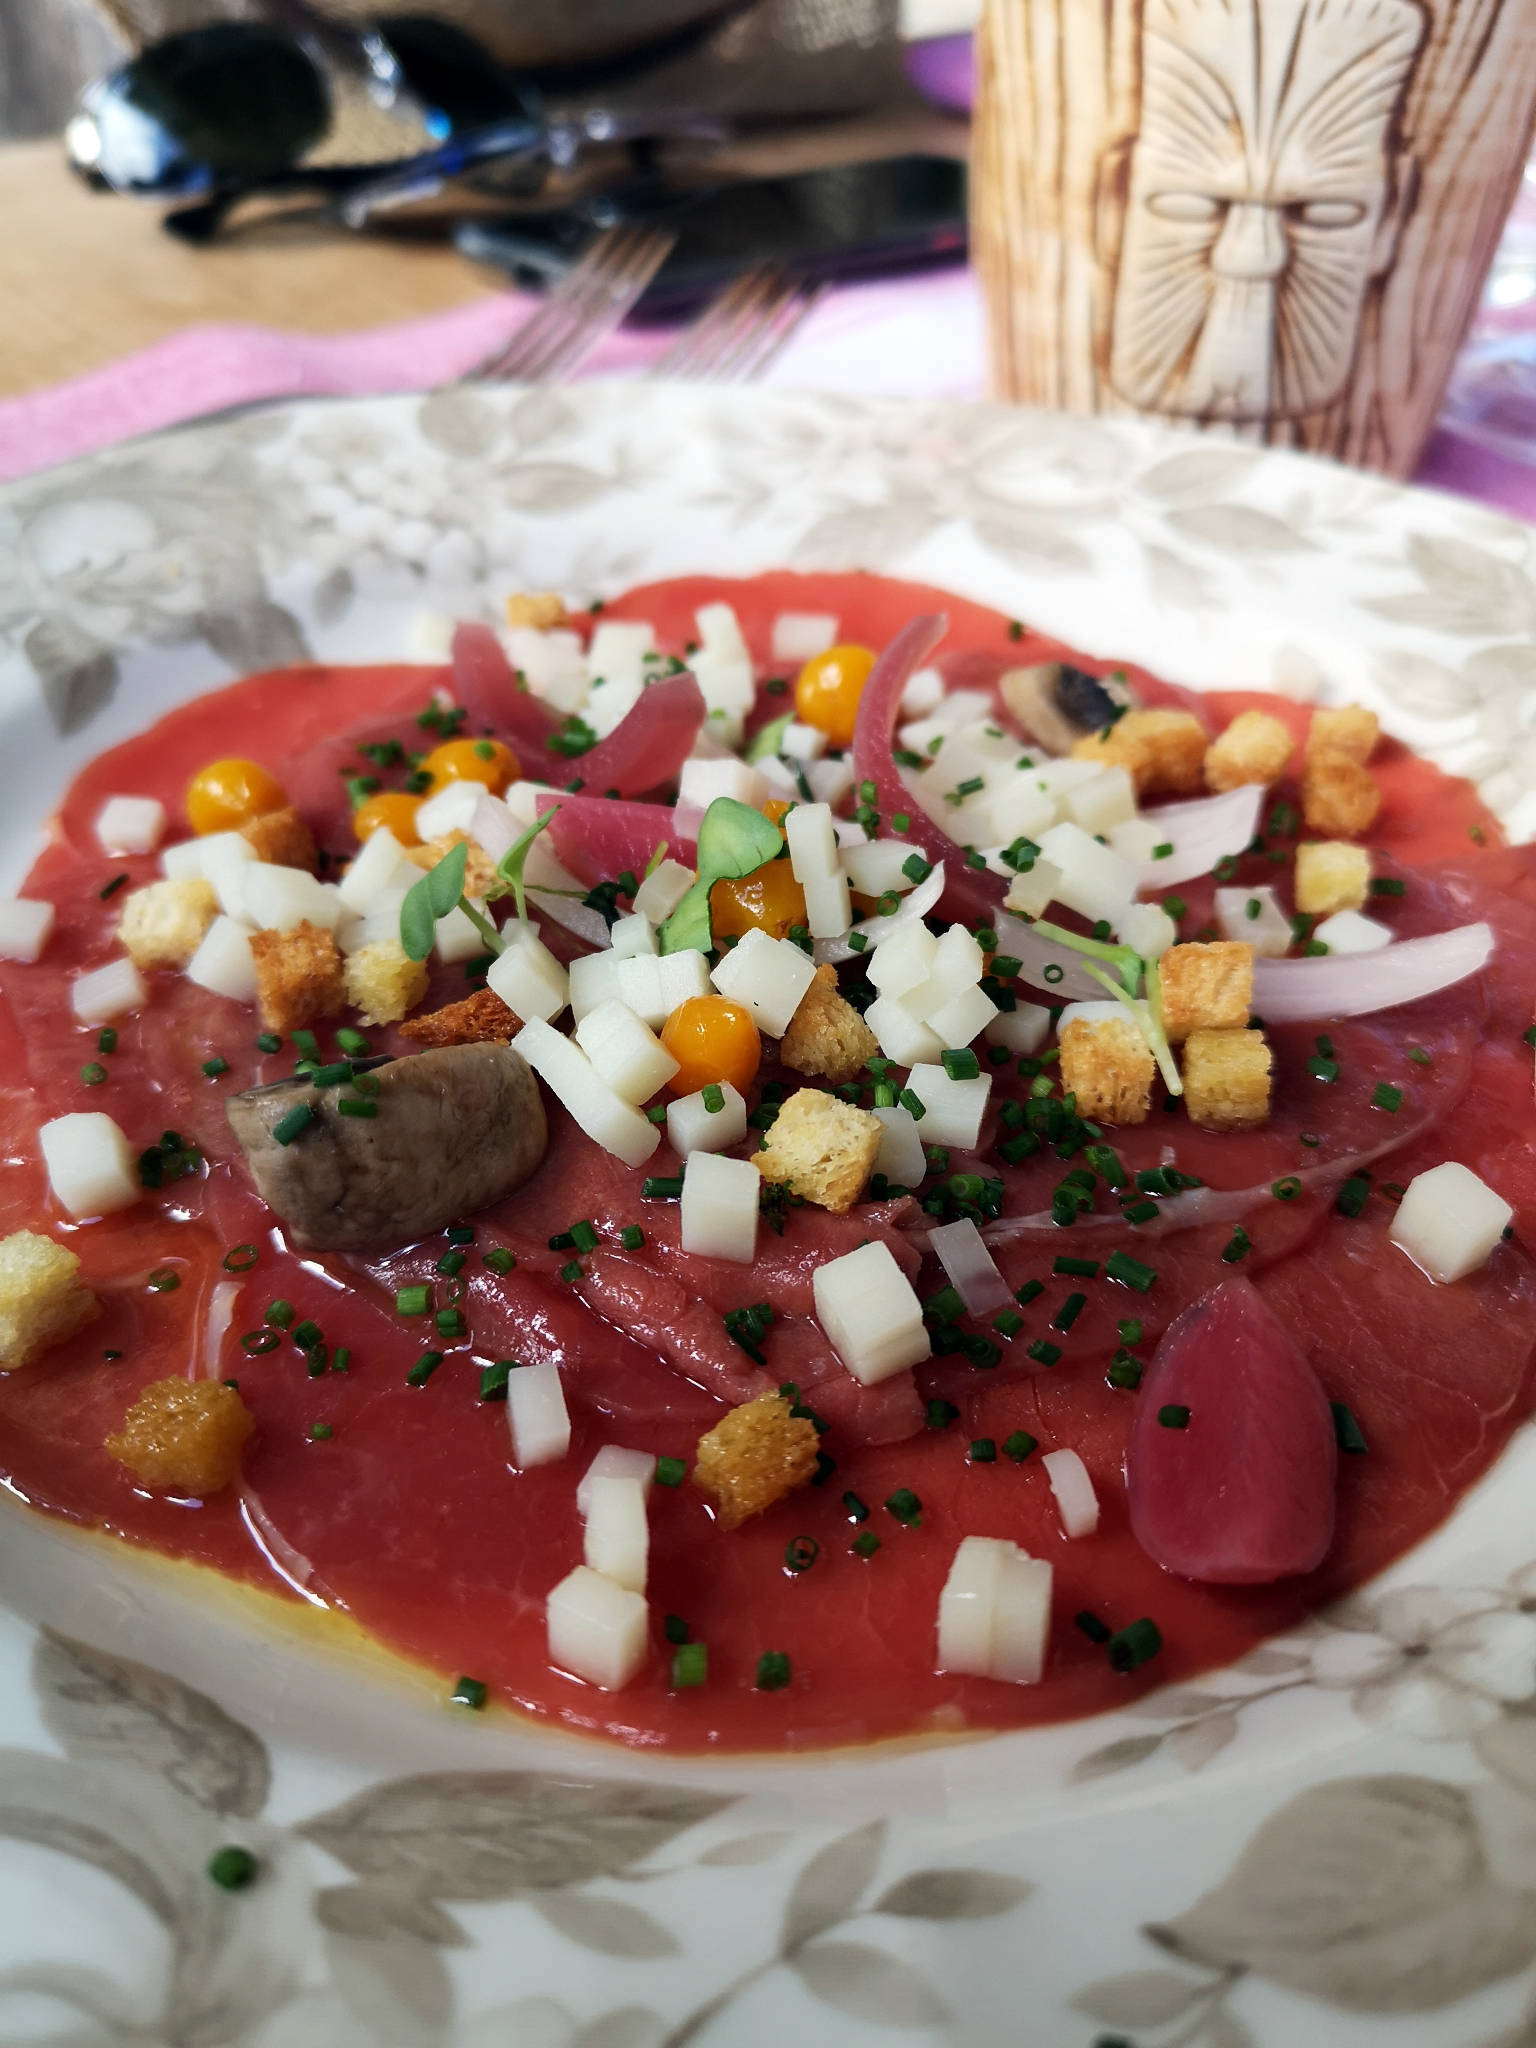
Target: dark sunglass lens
<point>450,73</point>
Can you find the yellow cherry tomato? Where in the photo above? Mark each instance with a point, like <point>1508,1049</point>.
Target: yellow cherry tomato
<point>777,809</point>
<point>488,761</point>
<point>769,900</point>
<point>711,1039</point>
<point>228,794</point>
<point>828,690</point>
<point>391,807</point>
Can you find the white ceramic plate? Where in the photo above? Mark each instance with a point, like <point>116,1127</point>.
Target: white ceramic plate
<point>1333,1843</point>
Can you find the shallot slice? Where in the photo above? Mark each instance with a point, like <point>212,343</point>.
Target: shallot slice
<point>1359,984</point>
<point>1209,829</point>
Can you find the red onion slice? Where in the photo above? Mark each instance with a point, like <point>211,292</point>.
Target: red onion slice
<point>598,838</point>
<point>485,683</point>
<point>649,744</point>
<point>588,925</point>
<point>1201,833</point>
<point>970,1267</point>
<point>1359,984</point>
<point>1047,965</point>
<point>914,905</point>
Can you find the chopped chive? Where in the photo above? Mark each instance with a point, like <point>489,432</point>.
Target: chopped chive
<point>671,1471</point>
<point>295,1123</point>
<point>232,1868</point>
<point>1353,1195</point>
<point>1124,1371</point>
<point>1019,1445</point>
<point>1140,1212</point>
<point>499,1259</point>
<point>1386,1096</point>
<point>424,1368</point>
<point>1238,1246</point>
<point>800,1553</point>
<point>657,1113</point>
<point>450,1322</point>
<point>307,1043</point>
<point>106,1040</point>
<point>690,1666</point>
<point>631,1237</point>
<point>1075,1269</point>
<point>321,1432</point>
<point>413,1301</point>
<point>333,1075</point>
<point>1129,1331</point>
<point>93,1073</point>
<point>493,1379</point>
<point>1069,1312</point>
<point>583,1236</point>
<point>258,1341</point>
<point>1162,850</point>
<point>356,1105</point>
<point>906,1507</point>
<point>865,1544</point>
<point>240,1258</point>
<point>572,1270</point>
<point>1042,1352</point>
<point>1176,907</point>
<point>960,1063</point>
<point>307,1334</point>
<point>351,1042</point>
<point>279,1314</point>
<point>915,868</point>
<point>1173,1415</point>
<point>1008,1323</point>
<point>117,882</point>
<point>214,1067</point>
<point>1422,1059</point>
<point>268,1041</point>
<point>714,1098</point>
<point>1388,885</point>
<point>469,1692</point>
<point>913,1104</point>
<point>772,1671</point>
<point>1027,1293</point>
<point>341,1359</point>
<point>1137,1644</point>
<point>940,1414</point>
<point>858,1510</point>
<point>1347,1432</point>
<point>450,1263</point>
<point>661,1188</point>
<point>675,1629</point>
<point>982,1451</point>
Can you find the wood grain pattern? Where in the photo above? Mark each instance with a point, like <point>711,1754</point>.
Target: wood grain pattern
<point>1274,216</point>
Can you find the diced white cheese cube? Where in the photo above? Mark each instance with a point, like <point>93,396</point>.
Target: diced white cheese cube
<point>1064,774</point>
<point>1018,809</point>
<point>728,687</point>
<point>924,693</point>
<point>528,977</point>
<point>223,961</point>
<point>1023,1029</point>
<point>1076,1501</point>
<point>277,899</point>
<point>1449,1221</point>
<point>799,635</point>
<point>802,742</point>
<point>702,781</point>
<point>637,981</point>
<point>1148,928</point>
<point>692,1126</point>
<point>1032,892</point>
<point>1347,931</point>
<point>107,992</point>
<point>918,736</point>
<point>449,809</point>
<point>867,1306</point>
<point>989,739</point>
<point>683,976</point>
<point>961,707</point>
<point>719,1207</point>
<point>828,908</point>
<point>609,704</point>
<point>608,1121</point>
<point>995,1612</point>
<point>813,860</point>
<point>617,650</point>
<point>597,1630</point>
<point>554,664</point>
<point>626,1053</point>
<point>767,976</point>
<point>954,1108</point>
<point>130,824</point>
<point>1021,1619</point>
<point>613,1461</point>
<point>92,1168</point>
<point>829,781</point>
<point>375,869</point>
<point>1267,929</point>
<point>26,926</point>
<point>903,1037</point>
<point>662,890</point>
<point>458,938</point>
<point>1102,801</point>
<point>970,1267</point>
<point>1136,840</point>
<point>537,1416</point>
<point>381,920</point>
<point>958,961</point>
<point>520,800</point>
<point>902,959</point>
<point>429,636</point>
<point>878,866</point>
<point>632,935</point>
<point>719,628</point>
<point>1095,881</point>
<point>901,1157</point>
<point>221,858</point>
<point>618,1536</point>
<point>592,978</point>
<point>958,1021</point>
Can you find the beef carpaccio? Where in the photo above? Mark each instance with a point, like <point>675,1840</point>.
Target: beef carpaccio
<point>392,1498</point>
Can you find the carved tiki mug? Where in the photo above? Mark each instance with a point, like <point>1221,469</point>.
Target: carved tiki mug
<point>1272,216</point>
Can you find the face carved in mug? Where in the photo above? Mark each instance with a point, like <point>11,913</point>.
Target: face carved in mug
<point>1264,194</point>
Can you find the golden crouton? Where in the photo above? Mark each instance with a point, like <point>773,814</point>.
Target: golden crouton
<point>542,609</point>
<point>1226,1079</point>
<point>1350,730</point>
<point>184,1436</point>
<point>162,924</point>
<point>42,1299</point>
<point>1107,1066</point>
<point>482,1018</point>
<point>1331,875</point>
<point>826,1035</point>
<point>1254,748</point>
<point>1338,796</point>
<point>1162,750</point>
<point>825,1149</point>
<point>383,983</point>
<point>299,976</point>
<point>479,870</point>
<point>283,838</point>
<point>1206,987</point>
<point>753,1457</point>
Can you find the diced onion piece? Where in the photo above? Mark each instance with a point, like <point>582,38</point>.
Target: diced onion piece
<point>653,988</point>
<point>607,1120</point>
<point>719,1207</point>
<point>1076,1501</point>
<point>813,860</point>
<point>954,1108</point>
<point>597,1630</point>
<point>868,1308</point>
<point>958,961</point>
<point>92,1168</point>
<point>221,858</point>
<point>376,868</point>
<point>924,693</point>
<point>876,868</point>
<point>829,781</point>
<point>528,977</point>
<point>702,781</point>
<point>904,961</point>
<point>1339,985</point>
<point>130,824</point>
<point>632,935</point>
<point>1267,929</point>
<point>1023,1029</point>
<point>767,976</point>
<point>613,1461</point>
<point>901,1158</point>
<point>719,628</point>
<point>593,979</point>
<point>995,1612</point>
<point>1347,931</point>
<point>617,650</point>
<point>1149,930</point>
<point>457,936</point>
<point>662,890</point>
<point>1032,892</point>
<point>537,1416</point>
<point>1202,832</point>
<point>960,1020</point>
<point>903,1038</point>
<point>972,1271</point>
<point>1102,801</point>
<point>1449,1221</point>
<point>589,925</point>
<point>107,992</point>
<point>1095,881</point>
<point>693,1127</point>
<point>449,809</point>
<point>277,899</point>
<point>618,1535</point>
<point>1064,774</point>
<point>799,742</point>
<point>798,636</point>
<point>223,961</point>
<point>1018,808</point>
<point>26,926</point>
<point>626,1053</point>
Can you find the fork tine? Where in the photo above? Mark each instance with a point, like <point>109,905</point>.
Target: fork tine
<point>550,316</point>
<point>616,294</point>
<point>801,302</point>
<point>589,302</point>
<point>697,349</point>
<point>735,365</point>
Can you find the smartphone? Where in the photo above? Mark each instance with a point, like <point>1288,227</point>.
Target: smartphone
<point>853,220</point>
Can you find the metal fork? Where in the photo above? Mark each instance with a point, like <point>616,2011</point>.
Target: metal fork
<point>740,333</point>
<point>588,303</point>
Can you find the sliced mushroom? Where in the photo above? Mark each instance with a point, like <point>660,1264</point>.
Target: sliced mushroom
<point>455,1129</point>
<point>1058,704</point>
